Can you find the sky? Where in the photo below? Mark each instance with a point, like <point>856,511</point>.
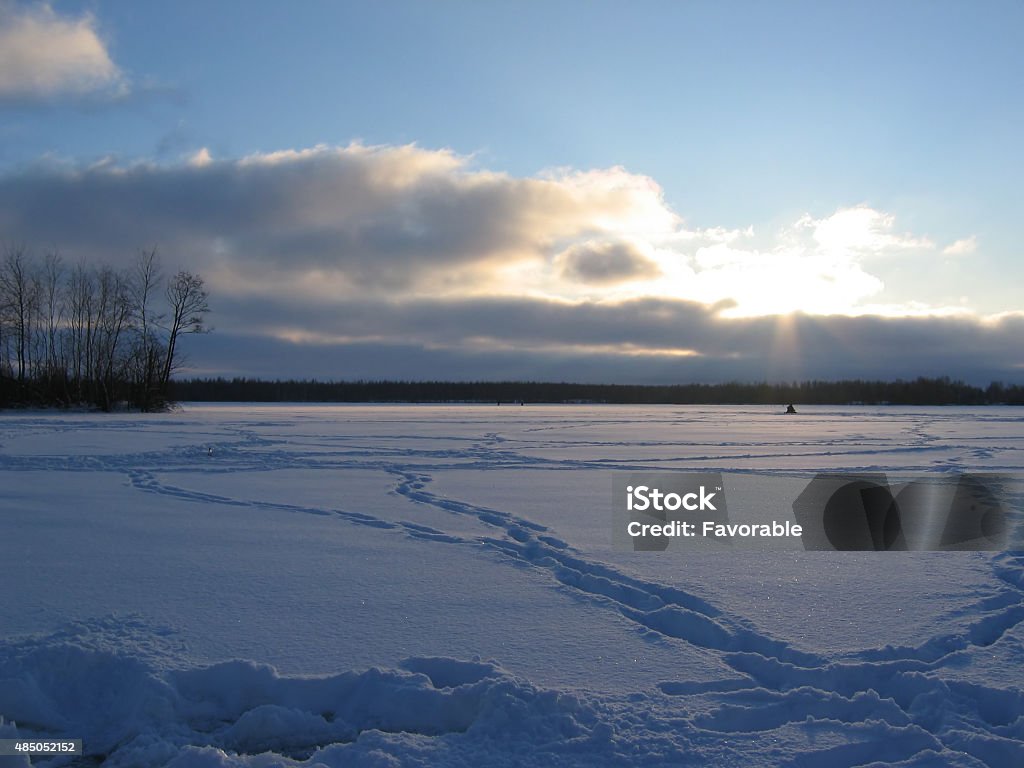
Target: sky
<point>581,191</point>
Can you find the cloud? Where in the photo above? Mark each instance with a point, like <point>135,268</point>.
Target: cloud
<point>962,247</point>
<point>362,218</point>
<point>784,279</point>
<point>45,55</point>
<point>388,220</point>
<point>633,341</point>
<point>411,260</point>
<point>824,265</point>
<point>604,262</point>
<point>200,158</point>
<point>860,229</point>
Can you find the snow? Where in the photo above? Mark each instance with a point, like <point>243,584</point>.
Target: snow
<point>249,585</point>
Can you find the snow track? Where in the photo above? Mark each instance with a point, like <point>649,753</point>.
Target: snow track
<point>951,697</point>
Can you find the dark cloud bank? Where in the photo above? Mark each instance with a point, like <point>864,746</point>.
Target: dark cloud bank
<point>631,342</point>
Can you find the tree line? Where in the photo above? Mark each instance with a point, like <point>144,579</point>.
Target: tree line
<point>921,391</point>
<point>93,335</point>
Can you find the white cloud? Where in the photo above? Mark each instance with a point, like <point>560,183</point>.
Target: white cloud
<point>44,54</point>
<point>816,265</point>
<point>200,158</point>
<point>861,229</point>
<point>782,279</point>
<point>962,247</point>
<point>822,265</point>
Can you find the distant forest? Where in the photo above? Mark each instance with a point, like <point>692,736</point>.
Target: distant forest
<point>922,391</point>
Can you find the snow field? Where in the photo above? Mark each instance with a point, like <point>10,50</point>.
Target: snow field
<point>435,585</point>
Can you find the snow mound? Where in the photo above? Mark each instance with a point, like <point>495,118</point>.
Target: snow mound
<point>131,710</point>
<point>241,713</point>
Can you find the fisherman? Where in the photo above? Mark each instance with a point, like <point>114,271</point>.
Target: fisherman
<point>790,408</point>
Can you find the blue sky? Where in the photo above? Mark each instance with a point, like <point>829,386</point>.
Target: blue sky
<point>851,159</point>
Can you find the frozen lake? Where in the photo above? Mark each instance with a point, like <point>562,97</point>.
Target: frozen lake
<point>436,585</point>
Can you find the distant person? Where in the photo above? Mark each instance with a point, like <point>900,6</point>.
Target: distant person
<point>790,408</point>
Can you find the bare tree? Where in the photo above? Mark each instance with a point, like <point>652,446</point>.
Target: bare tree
<point>113,314</point>
<point>6,310</point>
<point>53,310</point>
<point>21,295</point>
<point>187,299</point>
<point>147,354</point>
<point>81,324</point>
